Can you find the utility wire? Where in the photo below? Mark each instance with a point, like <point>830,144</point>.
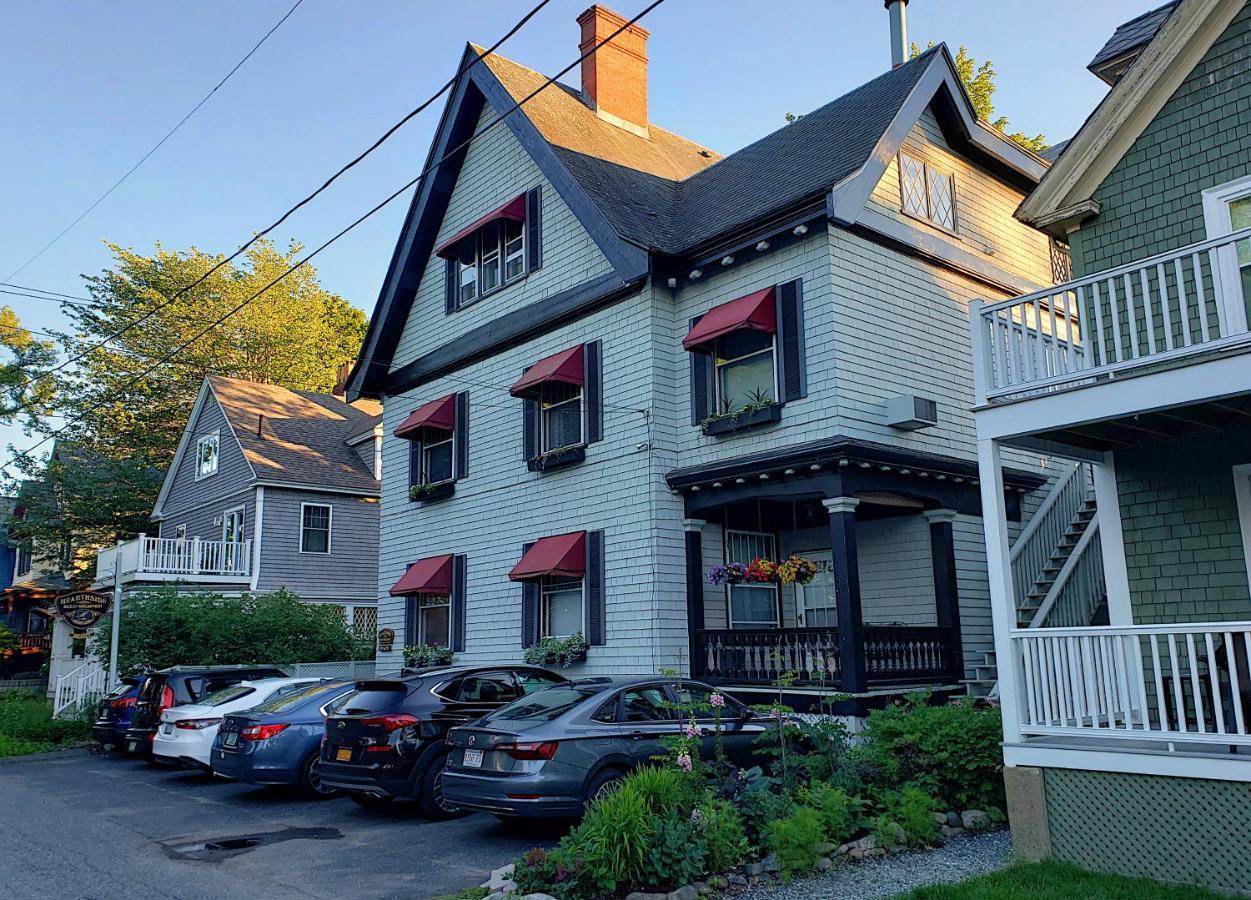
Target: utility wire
<point>50,294</point>
<point>329,181</point>
<point>85,304</point>
<point>384,202</point>
<point>64,231</point>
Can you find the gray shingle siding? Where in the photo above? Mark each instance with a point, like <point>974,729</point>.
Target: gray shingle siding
<point>347,573</point>
<point>233,471</point>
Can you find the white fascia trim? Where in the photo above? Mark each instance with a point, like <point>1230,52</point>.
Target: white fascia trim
<point>317,488</point>
<point>1136,762</point>
<point>258,528</point>
<point>183,441</point>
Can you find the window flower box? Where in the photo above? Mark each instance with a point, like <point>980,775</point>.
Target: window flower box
<point>560,653</point>
<point>557,459</point>
<point>723,424</point>
<point>431,493</point>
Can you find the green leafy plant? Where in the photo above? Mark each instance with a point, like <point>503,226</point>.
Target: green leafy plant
<point>679,850</point>
<point>421,491</point>
<point>761,803</point>
<point>558,652</point>
<point>726,840</point>
<point>756,401</point>
<point>839,811</point>
<point>27,726</point>
<point>794,840</point>
<point>615,838</point>
<point>421,656</point>
<point>913,811</point>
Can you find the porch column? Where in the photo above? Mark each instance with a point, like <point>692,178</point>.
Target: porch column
<point>693,530</point>
<point>847,592</point>
<point>1002,594</point>
<point>1112,542</point>
<point>946,586</point>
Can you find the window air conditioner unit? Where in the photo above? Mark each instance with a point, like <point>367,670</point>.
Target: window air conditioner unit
<point>909,412</point>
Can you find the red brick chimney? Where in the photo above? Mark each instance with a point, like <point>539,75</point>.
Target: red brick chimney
<point>614,77</point>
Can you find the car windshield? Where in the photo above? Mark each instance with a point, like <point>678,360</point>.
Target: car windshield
<point>284,702</point>
<point>226,695</point>
<point>543,706</point>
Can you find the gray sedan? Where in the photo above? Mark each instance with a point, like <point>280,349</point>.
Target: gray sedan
<point>552,752</point>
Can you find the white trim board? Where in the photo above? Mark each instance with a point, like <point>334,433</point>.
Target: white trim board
<point>1225,767</point>
<point>329,530</point>
<point>1242,495</point>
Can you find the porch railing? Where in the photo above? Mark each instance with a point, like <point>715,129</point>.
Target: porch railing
<point>1174,683</point>
<point>893,653</point>
<point>1158,309</point>
<point>158,556</point>
<point>1035,547</point>
<point>41,640</point>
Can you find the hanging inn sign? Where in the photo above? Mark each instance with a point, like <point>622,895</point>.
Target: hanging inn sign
<point>83,609</point>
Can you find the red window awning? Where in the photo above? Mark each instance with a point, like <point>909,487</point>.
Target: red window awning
<point>439,413</point>
<point>564,554</point>
<point>565,366</point>
<point>432,575</point>
<point>755,312</point>
<point>514,209</point>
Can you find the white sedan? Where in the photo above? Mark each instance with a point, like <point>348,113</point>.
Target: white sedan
<point>186,733</point>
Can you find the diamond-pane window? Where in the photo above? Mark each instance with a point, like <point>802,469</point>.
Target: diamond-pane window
<point>912,185</point>
<point>926,192</point>
<point>942,207</point>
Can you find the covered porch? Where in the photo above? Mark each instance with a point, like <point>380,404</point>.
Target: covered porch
<point>882,612</point>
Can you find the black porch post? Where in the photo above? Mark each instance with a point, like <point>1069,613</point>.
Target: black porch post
<point>946,585</point>
<point>694,591</point>
<point>847,592</point>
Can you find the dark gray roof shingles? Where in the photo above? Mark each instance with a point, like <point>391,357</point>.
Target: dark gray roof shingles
<point>1137,32</point>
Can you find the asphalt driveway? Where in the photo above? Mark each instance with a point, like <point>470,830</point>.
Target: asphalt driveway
<point>75,825</point>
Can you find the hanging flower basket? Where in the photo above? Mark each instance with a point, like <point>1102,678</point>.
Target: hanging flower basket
<point>797,570</point>
<point>730,573</point>
<point>794,570</point>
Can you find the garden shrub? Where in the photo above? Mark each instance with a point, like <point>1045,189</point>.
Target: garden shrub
<point>952,752</point>
<point>27,726</point>
<point>912,810</point>
<point>724,835</point>
<point>839,811</point>
<point>615,837</point>
<point>794,840</point>
<point>679,851</point>
<point>760,805</point>
<point>560,873</point>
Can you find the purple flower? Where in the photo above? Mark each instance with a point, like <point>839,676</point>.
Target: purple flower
<point>684,761</point>
<point>697,816</point>
<point>692,730</point>
<point>717,700</point>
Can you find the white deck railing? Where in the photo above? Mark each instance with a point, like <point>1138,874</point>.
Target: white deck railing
<point>1151,311</point>
<point>82,685</point>
<point>1181,684</point>
<point>171,557</point>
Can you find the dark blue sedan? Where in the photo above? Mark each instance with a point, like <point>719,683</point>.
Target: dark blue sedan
<point>114,712</point>
<point>279,742</point>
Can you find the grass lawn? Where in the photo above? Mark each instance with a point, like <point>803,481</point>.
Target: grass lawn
<point>27,726</point>
<point>1057,881</point>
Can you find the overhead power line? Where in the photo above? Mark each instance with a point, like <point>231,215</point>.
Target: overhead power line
<point>86,304</point>
<point>35,290</point>
<point>326,184</point>
<point>368,214</point>
<point>157,146</point>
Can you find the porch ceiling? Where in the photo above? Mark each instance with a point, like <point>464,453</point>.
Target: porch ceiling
<point>1157,426</point>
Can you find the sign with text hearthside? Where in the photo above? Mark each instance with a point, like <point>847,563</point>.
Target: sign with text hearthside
<point>83,609</point>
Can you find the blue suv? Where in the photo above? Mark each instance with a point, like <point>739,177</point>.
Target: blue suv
<point>279,742</point>
<point>114,712</point>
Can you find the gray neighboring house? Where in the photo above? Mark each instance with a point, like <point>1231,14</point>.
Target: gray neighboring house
<point>611,360</point>
<point>270,488</point>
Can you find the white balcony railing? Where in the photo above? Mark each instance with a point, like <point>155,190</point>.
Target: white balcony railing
<point>1180,684</point>
<point>1158,309</point>
<point>154,558</point>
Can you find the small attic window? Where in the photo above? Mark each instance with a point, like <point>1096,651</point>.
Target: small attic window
<point>206,452</point>
<point>927,193</point>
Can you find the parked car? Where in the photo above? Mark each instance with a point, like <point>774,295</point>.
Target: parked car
<point>178,685</point>
<point>387,739</point>
<point>113,713</point>
<point>186,734</point>
<point>279,741</point>
<point>551,754</point>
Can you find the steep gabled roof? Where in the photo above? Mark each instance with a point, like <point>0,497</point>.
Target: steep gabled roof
<point>1128,39</point>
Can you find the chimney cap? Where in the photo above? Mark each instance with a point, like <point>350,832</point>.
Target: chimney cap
<point>598,11</point>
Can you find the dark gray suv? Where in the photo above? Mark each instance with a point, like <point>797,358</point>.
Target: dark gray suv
<point>551,753</point>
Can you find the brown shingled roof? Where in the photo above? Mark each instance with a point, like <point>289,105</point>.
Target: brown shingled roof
<point>303,436</point>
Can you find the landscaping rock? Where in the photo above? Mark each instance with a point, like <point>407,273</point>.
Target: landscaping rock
<point>498,895</point>
<point>954,820</point>
<point>685,892</point>
<point>825,863</point>
<point>824,848</point>
<point>898,837</point>
<point>502,880</point>
<point>753,868</point>
<point>736,879</point>
<point>974,820</point>
<point>770,862</point>
<point>640,895</point>
<point>702,887</point>
<point>947,831</point>
<point>538,897</point>
<point>941,818</point>
<point>718,883</point>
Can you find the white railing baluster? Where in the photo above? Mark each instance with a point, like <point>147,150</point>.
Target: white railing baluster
<point>1083,334</point>
<point>1031,697</point>
<point>1072,646</point>
<point>1146,310</point>
<point>1179,704</point>
<point>1201,300</point>
<point>1165,314</point>
<point>1195,689</point>
<point>1114,313</point>
<point>1214,686</point>
<point>1097,309</point>
<point>1040,336</point>
<point>1131,317</point>
<point>1183,308</point>
<point>1159,685</point>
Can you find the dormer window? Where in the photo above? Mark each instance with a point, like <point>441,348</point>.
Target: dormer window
<point>492,252</point>
<point>206,453</point>
<point>926,192</point>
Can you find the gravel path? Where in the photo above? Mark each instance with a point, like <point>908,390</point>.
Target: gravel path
<point>959,858</point>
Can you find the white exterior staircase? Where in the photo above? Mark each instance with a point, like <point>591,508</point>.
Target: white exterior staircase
<point>84,684</point>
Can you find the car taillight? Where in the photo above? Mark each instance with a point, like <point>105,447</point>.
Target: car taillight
<point>544,750</point>
<point>392,721</point>
<point>261,732</point>
<point>167,698</point>
<point>196,724</point>
<point>122,703</point>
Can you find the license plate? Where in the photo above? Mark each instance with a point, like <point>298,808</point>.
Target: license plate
<point>473,759</point>
<point>131,745</point>
<point>167,729</point>
<point>343,754</point>
<point>231,739</point>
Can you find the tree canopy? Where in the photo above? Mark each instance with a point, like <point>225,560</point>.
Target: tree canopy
<point>23,396</point>
<point>127,419</point>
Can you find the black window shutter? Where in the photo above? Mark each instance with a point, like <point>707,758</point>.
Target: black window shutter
<point>458,604</point>
<point>460,435</point>
<point>534,229</point>
<point>793,366</point>
<point>529,608</point>
<point>451,285</point>
<point>596,630</point>
<point>530,427</point>
<point>701,382</point>
<point>593,391</point>
<point>414,462</point>
<point>410,621</point>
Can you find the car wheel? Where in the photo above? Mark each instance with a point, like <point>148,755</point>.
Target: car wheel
<point>430,797</point>
<point>603,784</point>
<point>370,801</point>
<point>310,780</point>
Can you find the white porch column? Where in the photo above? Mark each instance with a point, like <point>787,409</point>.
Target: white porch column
<point>1002,596</point>
<point>1112,542</point>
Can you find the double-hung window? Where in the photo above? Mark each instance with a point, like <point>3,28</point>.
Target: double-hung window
<point>432,617</point>
<point>560,607</point>
<point>206,453</point>
<point>926,192</point>
<point>751,605</point>
<point>561,408</point>
<point>746,374</point>
<point>315,528</point>
<point>436,463</point>
<point>490,259</point>
<point>23,560</point>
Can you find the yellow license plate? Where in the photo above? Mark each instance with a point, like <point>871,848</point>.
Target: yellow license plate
<point>343,755</point>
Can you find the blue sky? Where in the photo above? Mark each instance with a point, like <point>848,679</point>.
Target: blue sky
<point>87,87</point>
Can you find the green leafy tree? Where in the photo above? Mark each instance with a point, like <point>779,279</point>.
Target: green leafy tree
<point>23,396</point>
<point>979,81</point>
<point>163,627</point>
<point>128,420</point>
